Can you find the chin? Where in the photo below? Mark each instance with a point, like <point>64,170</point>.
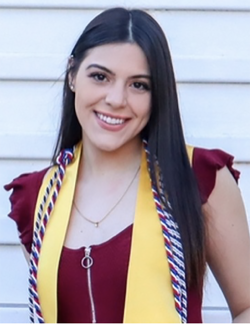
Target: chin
<point>112,144</point>
<point>108,147</point>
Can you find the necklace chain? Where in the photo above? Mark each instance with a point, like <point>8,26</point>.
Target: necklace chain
<point>97,223</point>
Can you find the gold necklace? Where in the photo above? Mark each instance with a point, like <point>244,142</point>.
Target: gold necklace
<point>97,223</point>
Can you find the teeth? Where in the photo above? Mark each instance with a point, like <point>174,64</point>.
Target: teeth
<point>109,120</point>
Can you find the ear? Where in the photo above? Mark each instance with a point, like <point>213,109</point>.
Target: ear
<point>70,76</point>
<point>71,85</point>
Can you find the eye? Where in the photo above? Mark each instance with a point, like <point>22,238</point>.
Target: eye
<point>98,76</point>
<point>141,85</point>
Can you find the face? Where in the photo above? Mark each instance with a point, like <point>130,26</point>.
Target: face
<point>112,95</point>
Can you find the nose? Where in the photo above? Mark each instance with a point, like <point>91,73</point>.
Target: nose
<point>116,96</point>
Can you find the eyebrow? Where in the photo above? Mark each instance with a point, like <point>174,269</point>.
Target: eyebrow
<point>113,74</point>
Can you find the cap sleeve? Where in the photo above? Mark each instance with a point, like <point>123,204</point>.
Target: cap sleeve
<point>205,165</point>
<point>23,201</point>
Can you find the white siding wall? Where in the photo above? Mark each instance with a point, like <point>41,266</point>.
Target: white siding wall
<point>210,44</point>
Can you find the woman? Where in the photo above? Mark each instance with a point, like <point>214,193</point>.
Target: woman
<point>123,225</point>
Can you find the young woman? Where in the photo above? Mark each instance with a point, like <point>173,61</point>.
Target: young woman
<point>120,228</point>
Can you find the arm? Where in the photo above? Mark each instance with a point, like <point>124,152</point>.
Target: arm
<point>228,244</point>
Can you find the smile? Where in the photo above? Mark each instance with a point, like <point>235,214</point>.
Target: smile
<point>110,120</point>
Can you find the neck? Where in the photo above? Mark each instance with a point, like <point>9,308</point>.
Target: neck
<point>103,164</point>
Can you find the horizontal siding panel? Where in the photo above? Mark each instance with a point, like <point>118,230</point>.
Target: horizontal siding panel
<point>27,146</point>
<point>206,34</point>
<point>8,230</point>
<point>54,32</point>
<point>35,107</point>
<point>13,275</point>
<point>14,314</point>
<point>32,67</point>
<point>216,316</point>
<point>160,4</point>
<point>215,110</point>
<point>212,70</point>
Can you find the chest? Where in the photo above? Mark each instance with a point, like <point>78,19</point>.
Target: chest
<point>98,215</point>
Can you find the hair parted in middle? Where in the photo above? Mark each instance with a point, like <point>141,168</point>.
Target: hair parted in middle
<point>164,129</point>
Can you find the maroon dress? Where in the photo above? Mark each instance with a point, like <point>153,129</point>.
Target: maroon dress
<point>109,271</point>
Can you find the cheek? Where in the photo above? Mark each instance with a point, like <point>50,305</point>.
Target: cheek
<point>144,107</point>
<point>82,100</point>
<point>78,105</point>
<point>80,108</point>
<point>147,111</point>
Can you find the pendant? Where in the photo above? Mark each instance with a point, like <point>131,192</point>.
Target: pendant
<point>96,224</point>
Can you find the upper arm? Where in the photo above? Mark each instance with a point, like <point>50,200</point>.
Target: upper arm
<point>228,243</point>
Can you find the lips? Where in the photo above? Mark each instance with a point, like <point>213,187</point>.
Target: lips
<point>110,120</point>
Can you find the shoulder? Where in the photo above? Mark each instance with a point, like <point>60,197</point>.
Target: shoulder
<point>206,163</point>
<point>23,198</point>
<point>26,180</point>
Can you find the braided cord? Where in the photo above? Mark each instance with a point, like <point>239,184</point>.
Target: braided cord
<point>173,246</point>
<point>42,219</point>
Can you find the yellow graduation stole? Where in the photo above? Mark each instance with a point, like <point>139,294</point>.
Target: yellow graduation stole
<point>149,293</point>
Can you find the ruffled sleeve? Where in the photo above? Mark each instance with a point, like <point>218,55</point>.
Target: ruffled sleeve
<point>205,165</point>
<point>23,202</point>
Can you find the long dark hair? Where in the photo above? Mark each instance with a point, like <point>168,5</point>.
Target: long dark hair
<point>163,131</point>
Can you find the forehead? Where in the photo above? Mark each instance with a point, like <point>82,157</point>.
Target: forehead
<point>128,56</point>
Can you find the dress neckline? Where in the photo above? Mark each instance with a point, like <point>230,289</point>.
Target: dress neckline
<point>103,244</point>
